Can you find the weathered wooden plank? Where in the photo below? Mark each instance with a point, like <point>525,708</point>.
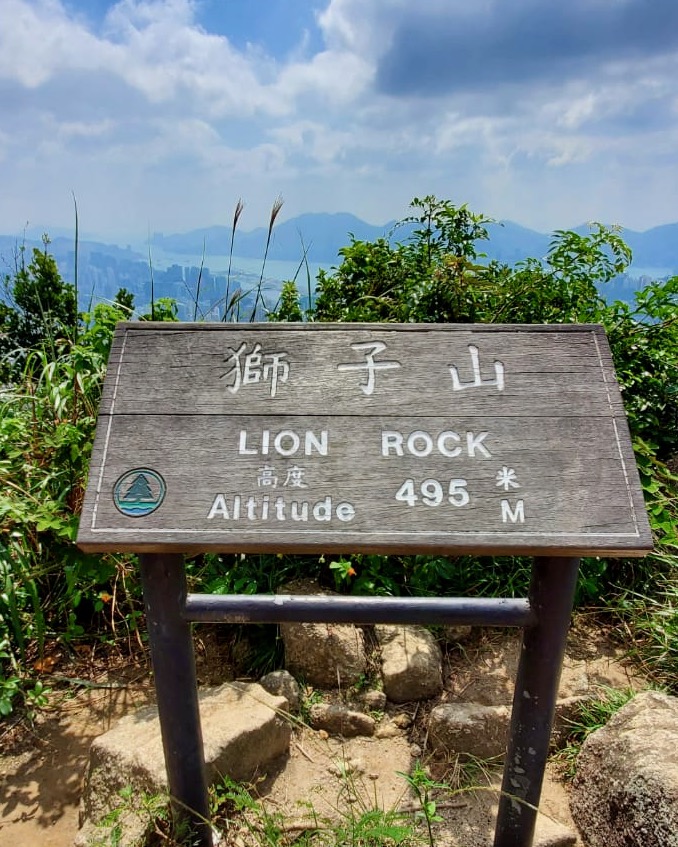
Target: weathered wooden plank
<point>376,437</point>
<point>198,372</point>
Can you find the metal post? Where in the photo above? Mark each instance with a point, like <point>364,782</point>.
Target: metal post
<point>164,584</point>
<point>554,581</point>
<point>278,608</point>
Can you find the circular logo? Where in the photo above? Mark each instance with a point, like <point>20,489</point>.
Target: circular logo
<point>139,492</point>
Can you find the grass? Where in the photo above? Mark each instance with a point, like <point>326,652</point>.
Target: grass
<point>48,589</point>
<point>591,715</point>
<point>275,211</point>
<point>356,818</point>
<point>650,626</point>
<point>229,306</point>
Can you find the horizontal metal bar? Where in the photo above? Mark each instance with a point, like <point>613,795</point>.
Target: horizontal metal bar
<point>277,608</point>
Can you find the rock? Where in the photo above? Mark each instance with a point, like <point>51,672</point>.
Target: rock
<point>457,633</point>
<point>550,833</point>
<point>388,729</point>
<point>403,721</point>
<point>242,730</point>
<point>625,791</point>
<point>283,684</point>
<point>411,664</point>
<point>324,655</point>
<point>374,700</point>
<point>469,728</point>
<point>338,720</point>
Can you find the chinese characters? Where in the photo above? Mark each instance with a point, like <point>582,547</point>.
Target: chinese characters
<point>370,349</point>
<point>477,381</point>
<point>294,478</point>
<point>255,367</point>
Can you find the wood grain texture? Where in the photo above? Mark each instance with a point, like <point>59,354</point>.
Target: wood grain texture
<point>356,437</point>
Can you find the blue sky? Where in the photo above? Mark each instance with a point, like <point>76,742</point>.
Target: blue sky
<point>160,114</point>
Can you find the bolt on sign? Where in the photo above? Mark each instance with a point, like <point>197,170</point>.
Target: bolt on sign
<point>363,437</point>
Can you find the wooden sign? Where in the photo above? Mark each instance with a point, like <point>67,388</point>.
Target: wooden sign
<point>363,437</point>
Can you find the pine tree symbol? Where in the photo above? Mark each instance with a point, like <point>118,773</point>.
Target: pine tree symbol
<point>139,491</point>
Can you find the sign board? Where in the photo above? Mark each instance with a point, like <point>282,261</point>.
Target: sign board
<point>363,437</point>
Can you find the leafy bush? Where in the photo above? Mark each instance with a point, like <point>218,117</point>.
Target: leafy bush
<point>47,425</point>
<point>53,362</point>
<point>437,276</point>
<point>39,311</point>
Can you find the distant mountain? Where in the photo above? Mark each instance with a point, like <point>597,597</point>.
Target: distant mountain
<point>325,234</point>
<point>103,268</point>
<point>63,249</point>
<point>322,234</point>
<point>510,243</point>
<point>657,247</point>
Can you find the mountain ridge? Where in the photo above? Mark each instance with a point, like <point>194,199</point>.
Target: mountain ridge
<point>324,234</point>
<point>320,236</point>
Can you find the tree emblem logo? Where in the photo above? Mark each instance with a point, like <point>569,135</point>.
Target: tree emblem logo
<point>139,492</point>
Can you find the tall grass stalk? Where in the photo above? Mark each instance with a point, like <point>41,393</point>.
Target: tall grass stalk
<point>197,288</point>
<point>239,206</point>
<point>150,268</point>
<point>275,211</point>
<point>75,267</point>
<point>304,264</point>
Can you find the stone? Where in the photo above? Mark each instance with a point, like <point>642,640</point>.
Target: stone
<point>411,663</point>
<point>321,654</point>
<point>374,700</point>
<point>387,729</point>
<point>243,729</point>
<point>550,833</point>
<point>338,720</point>
<point>347,767</point>
<point>283,684</point>
<point>324,655</point>
<point>625,791</point>
<point>457,633</point>
<point>469,728</point>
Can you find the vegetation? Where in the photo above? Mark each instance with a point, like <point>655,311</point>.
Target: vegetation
<point>590,716</point>
<point>51,371</point>
<point>241,816</point>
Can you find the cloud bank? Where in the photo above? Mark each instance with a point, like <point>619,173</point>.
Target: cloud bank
<point>548,114</point>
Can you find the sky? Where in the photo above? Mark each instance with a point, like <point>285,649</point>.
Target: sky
<point>158,115</point>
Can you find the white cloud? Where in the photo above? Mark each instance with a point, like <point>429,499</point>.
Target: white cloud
<point>151,100</point>
<point>38,38</point>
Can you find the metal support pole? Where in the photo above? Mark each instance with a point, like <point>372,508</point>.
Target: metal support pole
<point>164,584</point>
<point>276,608</point>
<point>551,596</point>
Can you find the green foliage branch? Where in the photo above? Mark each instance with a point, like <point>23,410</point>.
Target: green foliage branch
<point>50,387</point>
<point>437,275</point>
<point>51,380</point>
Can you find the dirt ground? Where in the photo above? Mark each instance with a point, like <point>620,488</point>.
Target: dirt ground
<point>41,766</point>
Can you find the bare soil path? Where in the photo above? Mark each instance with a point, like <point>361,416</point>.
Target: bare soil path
<point>41,766</point>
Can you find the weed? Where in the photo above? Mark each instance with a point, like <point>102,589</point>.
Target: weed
<point>591,715</point>
<point>275,211</point>
<point>309,697</point>
<point>229,304</point>
<point>147,815</point>
<point>423,786</point>
<point>235,810</point>
<point>359,820</point>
